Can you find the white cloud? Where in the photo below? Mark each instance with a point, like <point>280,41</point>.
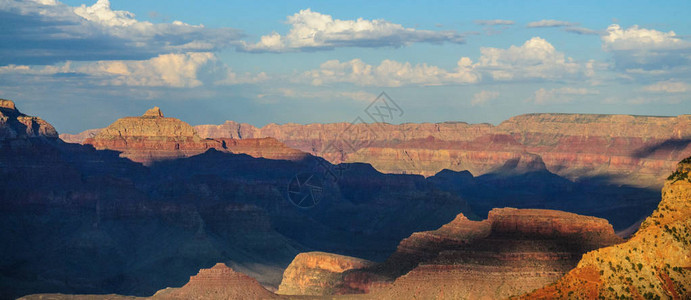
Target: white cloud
<point>170,70</point>
<point>535,59</point>
<point>389,73</point>
<point>647,49</point>
<point>312,30</point>
<point>670,87</point>
<point>560,95</point>
<point>549,23</point>
<point>494,22</point>
<point>61,32</point>
<point>635,38</point>
<point>483,97</point>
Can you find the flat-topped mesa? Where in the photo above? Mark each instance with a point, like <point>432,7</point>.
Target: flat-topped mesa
<point>15,125</point>
<point>218,282</point>
<point>151,138</point>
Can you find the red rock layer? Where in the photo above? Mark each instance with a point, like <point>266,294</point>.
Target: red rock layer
<point>636,149</point>
<point>654,264</point>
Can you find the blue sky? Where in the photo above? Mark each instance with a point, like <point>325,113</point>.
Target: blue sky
<point>84,64</point>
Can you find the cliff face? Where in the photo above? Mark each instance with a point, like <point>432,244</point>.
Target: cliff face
<point>655,262</point>
<point>15,125</point>
<point>318,273</point>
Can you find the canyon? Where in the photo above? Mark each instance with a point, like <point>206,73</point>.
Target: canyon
<point>163,200</point>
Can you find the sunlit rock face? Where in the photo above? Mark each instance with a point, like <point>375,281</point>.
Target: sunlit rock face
<point>151,137</point>
<point>655,262</point>
<point>318,273</point>
<point>15,125</point>
<point>512,252</point>
<point>218,282</point>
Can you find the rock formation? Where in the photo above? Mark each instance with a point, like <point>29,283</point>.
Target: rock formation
<point>511,252</point>
<point>654,264</point>
<point>153,137</point>
<point>15,125</point>
<point>631,149</point>
<point>218,282</point>
<point>318,273</point>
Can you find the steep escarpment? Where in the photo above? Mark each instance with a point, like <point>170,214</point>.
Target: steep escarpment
<point>15,125</point>
<point>654,264</point>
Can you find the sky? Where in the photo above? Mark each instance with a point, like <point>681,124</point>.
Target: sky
<point>84,64</point>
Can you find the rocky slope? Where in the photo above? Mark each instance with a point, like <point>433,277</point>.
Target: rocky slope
<point>218,282</point>
<point>654,264</point>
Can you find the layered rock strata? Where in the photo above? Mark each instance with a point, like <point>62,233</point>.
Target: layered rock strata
<point>654,264</point>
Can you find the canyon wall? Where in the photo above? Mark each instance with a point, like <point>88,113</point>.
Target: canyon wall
<point>630,149</point>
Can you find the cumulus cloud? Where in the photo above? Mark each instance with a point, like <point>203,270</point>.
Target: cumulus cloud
<point>670,87</point>
<point>315,31</point>
<point>389,73</point>
<point>494,22</point>
<point>45,32</point>
<point>536,59</point>
<point>179,70</point>
<point>550,23</point>
<point>483,97</point>
<point>646,49</point>
<point>560,95</point>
